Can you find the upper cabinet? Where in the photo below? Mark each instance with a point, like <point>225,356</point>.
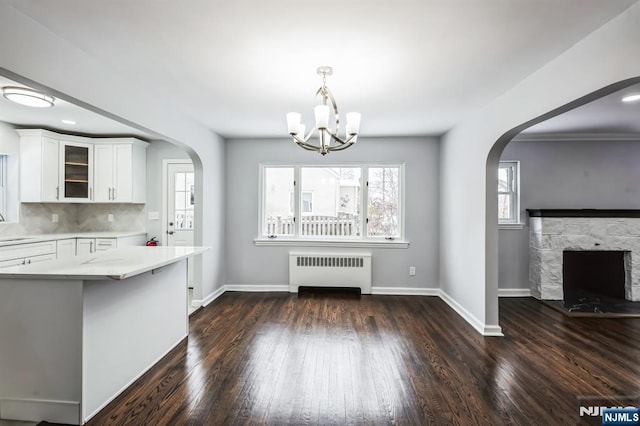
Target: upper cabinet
<point>76,171</point>
<point>65,168</point>
<point>120,171</point>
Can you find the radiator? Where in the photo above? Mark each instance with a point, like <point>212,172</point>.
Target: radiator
<point>330,270</point>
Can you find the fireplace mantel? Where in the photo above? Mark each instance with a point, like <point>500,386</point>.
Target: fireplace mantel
<point>583,213</point>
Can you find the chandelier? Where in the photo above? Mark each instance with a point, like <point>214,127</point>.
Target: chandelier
<point>322,112</point>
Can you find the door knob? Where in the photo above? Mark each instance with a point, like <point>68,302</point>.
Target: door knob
<point>170,232</point>
<point>170,223</point>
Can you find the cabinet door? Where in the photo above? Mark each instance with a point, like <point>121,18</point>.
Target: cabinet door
<point>66,248</point>
<point>103,173</point>
<point>85,246</point>
<point>77,171</point>
<point>50,163</point>
<point>123,172</point>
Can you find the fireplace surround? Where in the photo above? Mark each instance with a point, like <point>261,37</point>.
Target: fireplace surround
<point>552,232</point>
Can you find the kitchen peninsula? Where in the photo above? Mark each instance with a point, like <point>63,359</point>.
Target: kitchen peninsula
<point>76,332</point>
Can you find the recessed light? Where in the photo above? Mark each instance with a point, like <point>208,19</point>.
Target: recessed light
<point>69,122</point>
<point>631,98</point>
<point>28,97</point>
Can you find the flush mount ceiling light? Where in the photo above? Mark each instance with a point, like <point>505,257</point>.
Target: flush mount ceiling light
<point>632,98</point>
<point>28,97</point>
<point>326,135</point>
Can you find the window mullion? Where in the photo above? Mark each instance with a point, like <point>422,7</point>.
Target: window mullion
<point>364,201</point>
<point>297,190</point>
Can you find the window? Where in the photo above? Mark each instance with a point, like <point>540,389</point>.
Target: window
<point>341,202</point>
<point>509,192</point>
<point>3,188</point>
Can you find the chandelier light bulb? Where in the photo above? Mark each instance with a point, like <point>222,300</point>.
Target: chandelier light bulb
<point>329,140</point>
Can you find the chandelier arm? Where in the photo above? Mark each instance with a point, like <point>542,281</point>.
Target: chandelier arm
<point>302,143</point>
<point>343,144</point>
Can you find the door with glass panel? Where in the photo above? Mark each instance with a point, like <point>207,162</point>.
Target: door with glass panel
<point>180,204</point>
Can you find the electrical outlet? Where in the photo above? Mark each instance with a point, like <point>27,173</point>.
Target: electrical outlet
<point>110,217</point>
<point>412,271</point>
<point>54,218</point>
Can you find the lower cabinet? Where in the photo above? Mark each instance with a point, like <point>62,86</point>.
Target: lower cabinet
<point>66,248</point>
<point>24,254</point>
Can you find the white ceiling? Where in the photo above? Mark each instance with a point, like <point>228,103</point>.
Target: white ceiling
<point>412,67</point>
<point>87,122</point>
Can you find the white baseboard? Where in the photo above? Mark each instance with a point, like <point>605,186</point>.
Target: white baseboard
<point>481,327</point>
<point>405,291</point>
<point>213,296</point>
<point>256,288</point>
<point>36,410</point>
<point>514,292</point>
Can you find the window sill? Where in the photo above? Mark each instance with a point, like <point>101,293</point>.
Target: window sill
<point>516,226</point>
<point>291,242</point>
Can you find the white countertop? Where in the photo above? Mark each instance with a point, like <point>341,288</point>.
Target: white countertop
<point>116,264</point>
<point>36,238</point>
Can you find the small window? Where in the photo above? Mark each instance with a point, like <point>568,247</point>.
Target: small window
<point>509,192</point>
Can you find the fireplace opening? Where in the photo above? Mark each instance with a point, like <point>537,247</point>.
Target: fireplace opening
<point>593,273</point>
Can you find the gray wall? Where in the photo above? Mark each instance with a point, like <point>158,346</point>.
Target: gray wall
<point>566,174</point>
<point>251,265</point>
<point>156,152</point>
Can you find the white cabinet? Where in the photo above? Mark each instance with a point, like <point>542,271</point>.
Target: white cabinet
<point>66,248</point>
<point>120,171</point>
<point>76,171</point>
<point>39,165</point>
<point>65,168</point>
<point>23,254</point>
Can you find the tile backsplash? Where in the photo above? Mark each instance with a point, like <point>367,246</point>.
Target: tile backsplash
<point>36,218</point>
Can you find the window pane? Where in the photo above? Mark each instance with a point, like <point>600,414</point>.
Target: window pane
<point>330,199</point>
<point>504,179</point>
<point>278,185</point>
<point>504,207</point>
<point>180,181</point>
<point>181,200</point>
<point>384,202</point>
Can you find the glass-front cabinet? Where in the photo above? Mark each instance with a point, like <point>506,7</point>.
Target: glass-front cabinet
<point>77,164</point>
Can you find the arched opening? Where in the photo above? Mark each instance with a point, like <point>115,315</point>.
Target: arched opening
<point>511,245</point>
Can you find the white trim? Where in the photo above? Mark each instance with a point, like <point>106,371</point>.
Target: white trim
<point>406,291</point>
<point>35,410</point>
<point>481,327</point>
<point>252,288</point>
<point>514,292</point>
<point>291,242</point>
<point>511,226</point>
<point>210,298</point>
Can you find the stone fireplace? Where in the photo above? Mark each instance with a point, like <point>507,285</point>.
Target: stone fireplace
<point>554,232</point>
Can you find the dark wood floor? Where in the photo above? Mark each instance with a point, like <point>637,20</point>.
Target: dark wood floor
<point>321,358</point>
